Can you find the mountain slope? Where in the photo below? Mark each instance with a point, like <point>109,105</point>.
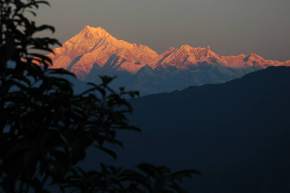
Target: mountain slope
<point>236,133</point>
<point>94,51</point>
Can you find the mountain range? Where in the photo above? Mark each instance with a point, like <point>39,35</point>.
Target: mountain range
<point>95,51</point>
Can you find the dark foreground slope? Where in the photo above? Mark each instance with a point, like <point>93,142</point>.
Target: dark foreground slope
<point>237,133</point>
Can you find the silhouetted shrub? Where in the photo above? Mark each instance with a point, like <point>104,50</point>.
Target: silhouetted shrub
<point>46,128</point>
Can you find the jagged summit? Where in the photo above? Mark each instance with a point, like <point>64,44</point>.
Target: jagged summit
<point>94,33</point>
<point>96,46</point>
<point>185,47</point>
<point>254,56</point>
<point>95,30</point>
<point>186,55</point>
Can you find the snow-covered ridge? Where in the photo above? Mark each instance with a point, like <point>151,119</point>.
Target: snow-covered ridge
<point>95,46</point>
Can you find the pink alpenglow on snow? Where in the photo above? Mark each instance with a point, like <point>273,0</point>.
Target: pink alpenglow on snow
<point>95,46</point>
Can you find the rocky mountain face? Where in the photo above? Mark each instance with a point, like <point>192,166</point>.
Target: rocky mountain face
<point>94,51</point>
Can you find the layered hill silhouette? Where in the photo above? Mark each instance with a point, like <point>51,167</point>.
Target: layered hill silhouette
<point>95,51</point>
<point>236,133</point>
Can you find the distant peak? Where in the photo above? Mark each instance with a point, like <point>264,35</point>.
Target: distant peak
<point>89,27</point>
<point>185,47</point>
<point>255,56</point>
<point>189,47</point>
<point>207,51</point>
<point>95,30</point>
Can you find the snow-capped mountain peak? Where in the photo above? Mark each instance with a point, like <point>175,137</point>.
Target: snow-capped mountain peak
<point>95,31</point>
<point>94,46</point>
<point>186,55</point>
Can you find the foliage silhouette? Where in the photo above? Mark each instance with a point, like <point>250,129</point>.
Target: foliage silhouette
<point>46,128</point>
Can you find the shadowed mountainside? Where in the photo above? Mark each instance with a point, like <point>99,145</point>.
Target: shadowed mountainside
<point>237,133</point>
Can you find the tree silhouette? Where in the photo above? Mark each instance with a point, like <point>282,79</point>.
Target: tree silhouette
<point>47,128</point>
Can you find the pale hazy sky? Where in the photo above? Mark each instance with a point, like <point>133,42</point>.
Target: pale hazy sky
<point>228,26</point>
